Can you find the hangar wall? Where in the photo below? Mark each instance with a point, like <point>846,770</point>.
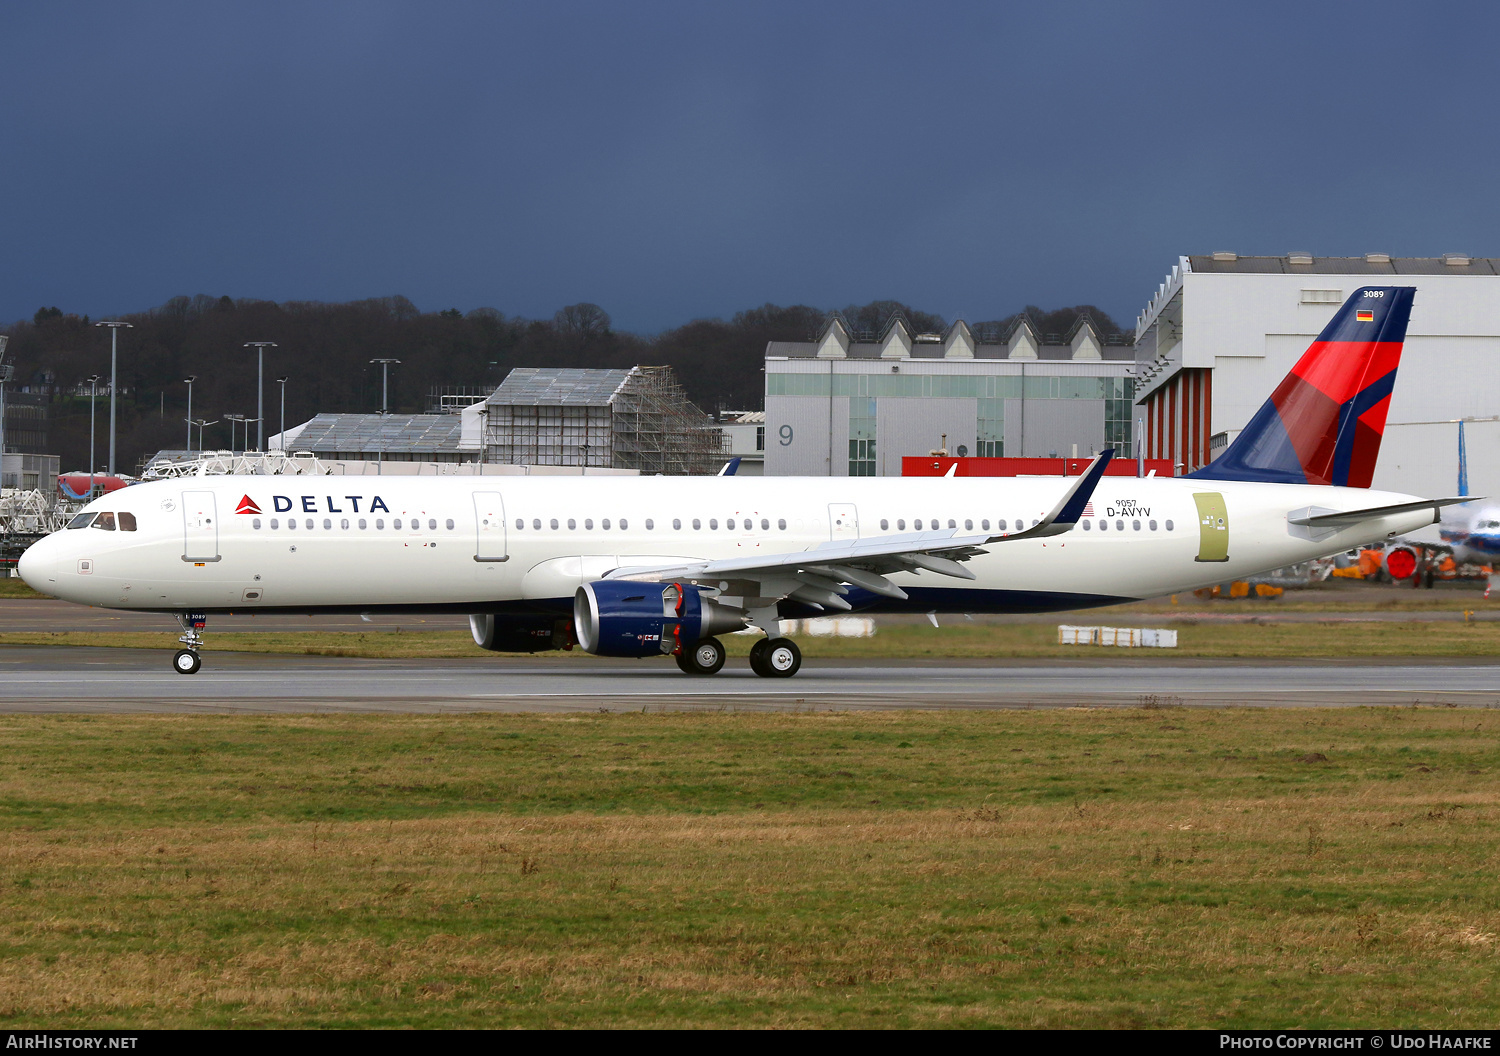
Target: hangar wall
<point>1223,330</point>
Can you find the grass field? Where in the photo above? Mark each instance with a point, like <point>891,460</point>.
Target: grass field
<point>1147,867</point>
<point>957,639</point>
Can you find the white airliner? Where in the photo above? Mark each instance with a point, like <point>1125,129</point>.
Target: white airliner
<point>658,566</point>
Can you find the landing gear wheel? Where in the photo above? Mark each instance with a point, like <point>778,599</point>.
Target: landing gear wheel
<point>186,662</point>
<point>705,658</point>
<point>781,659</point>
<point>758,658</point>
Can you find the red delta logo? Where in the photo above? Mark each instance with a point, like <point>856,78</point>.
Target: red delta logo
<point>247,505</point>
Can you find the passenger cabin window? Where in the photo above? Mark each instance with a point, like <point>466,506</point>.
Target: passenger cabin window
<point>624,524</point>
<point>536,522</point>
<point>552,522</point>
<point>379,523</point>
<point>985,524</point>
<point>697,524</point>
<point>713,524</point>
<point>255,523</point>
<point>588,524</point>
<point>1169,525</point>
<point>362,524</point>
<point>450,524</point>
<point>327,524</point>
<point>1151,525</point>
<point>677,524</point>
<point>900,524</point>
<point>520,524</point>
<point>309,524</point>
<point>1087,526</point>
<point>344,524</point>
<point>650,524</point>
<point>884,524</point>
<point>275,524</point>
<point>572,524</point>
<point>604,524</point>
<point>781,524</point>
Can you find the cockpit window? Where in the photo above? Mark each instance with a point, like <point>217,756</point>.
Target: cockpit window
<point>127,522</point>
<point>81,521</point>
<point>105,522</point>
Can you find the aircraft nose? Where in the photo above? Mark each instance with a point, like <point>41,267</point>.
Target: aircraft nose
<point>37,564</point>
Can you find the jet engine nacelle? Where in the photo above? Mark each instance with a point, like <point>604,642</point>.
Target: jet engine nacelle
<point>519,634</point>
<point>618,617</point>
<point>1399,561</point>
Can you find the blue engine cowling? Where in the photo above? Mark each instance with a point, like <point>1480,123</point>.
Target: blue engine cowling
<point>619,617</point>
<point>519,634</point>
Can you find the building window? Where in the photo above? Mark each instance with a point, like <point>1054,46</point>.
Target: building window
<point>760,438</point>
<point>1119,409</point>
<point>861,438</point>
<point>990,440</point>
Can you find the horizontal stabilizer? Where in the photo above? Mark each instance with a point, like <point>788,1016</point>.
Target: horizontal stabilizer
<point>1344,518</point>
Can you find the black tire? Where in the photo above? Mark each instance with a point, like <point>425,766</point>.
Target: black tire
<point>705,658</point>
<point>782,658</point>
<point>186,662</point>
<point>758,658</point>
<point>685,663</point>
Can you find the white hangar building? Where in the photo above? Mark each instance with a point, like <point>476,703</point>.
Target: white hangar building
<point>1224,329</point>
<point>854,405</point>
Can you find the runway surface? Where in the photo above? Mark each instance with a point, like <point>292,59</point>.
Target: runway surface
<point>98,680</point>
<point>32,614</point>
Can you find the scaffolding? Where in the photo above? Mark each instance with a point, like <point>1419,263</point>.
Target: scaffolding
<point>636,419</point>
<point>658,430</point>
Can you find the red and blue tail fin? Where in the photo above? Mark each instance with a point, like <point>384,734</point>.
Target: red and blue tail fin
<point>1324,422</point>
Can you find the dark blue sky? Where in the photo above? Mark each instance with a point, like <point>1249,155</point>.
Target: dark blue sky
<point>671,161</point>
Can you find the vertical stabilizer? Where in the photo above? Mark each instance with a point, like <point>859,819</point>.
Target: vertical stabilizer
<point>1324,422</point>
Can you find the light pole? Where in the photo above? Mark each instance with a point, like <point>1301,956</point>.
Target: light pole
<point>114,334</point>
<point>93,383</point>
<point>5,372</point>
<point>233,419</point>
<point>282,382</point>
<point>201,424</point>
<point>385,365</point>
<point>189,380</point>
<point>260,405</point>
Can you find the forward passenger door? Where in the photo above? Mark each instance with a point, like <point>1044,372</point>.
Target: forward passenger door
<point>489,525</point>
<point>200,527</point>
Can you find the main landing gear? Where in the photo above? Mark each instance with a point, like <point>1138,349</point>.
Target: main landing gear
<point>705,658</point>
<point>769,658</point>
<point>775,658</point>
<point>187,661</point>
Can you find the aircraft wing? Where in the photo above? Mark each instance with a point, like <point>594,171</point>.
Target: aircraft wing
<point>820,575</point>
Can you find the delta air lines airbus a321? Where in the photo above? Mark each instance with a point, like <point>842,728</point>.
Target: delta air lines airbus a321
<point>657,566</point>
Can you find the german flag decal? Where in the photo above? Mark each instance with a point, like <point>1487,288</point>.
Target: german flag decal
<point>247,505</point>
<point>1362,316</point>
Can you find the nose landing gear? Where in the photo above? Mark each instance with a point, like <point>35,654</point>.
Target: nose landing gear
<point>187,661</point>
